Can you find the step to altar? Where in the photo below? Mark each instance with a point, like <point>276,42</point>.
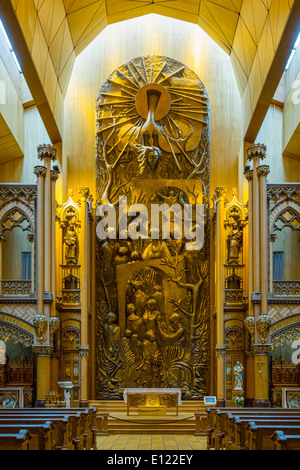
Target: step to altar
<point>137,423</point>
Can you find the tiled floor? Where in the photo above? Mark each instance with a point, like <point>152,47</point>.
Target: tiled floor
<point>151,442</point>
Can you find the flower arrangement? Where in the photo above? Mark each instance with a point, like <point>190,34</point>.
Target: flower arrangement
<point>239,401</point>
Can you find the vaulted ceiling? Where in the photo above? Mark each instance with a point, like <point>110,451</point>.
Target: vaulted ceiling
<point>56,31</point>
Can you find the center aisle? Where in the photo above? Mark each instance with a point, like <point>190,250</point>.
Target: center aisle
<point>155,442</point>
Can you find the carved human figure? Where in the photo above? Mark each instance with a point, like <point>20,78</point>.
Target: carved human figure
<point>238,373</point>
<point>159,297</point>
<point>71,241</point>
<point>176,331</point>
<point>151,316</point>
<point>234,243</point>
<point>134,322</point>
<point>157,249</point>
<point>150,345</point>
<point>148,158</point>
<point>122,256</point>
<point>111,333</point>
<point>109,251</point>
<point>139,297</point>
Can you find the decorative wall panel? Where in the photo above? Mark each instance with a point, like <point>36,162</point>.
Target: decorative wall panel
<point>152,295</point>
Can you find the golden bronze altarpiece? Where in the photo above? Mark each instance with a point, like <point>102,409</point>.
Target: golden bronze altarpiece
<point>152,295</point>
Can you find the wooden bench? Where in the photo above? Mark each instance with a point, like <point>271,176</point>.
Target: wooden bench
<point>42,434</point>
<point>258,436</point>
<point>13,441</point>
<point>62,432</point>
<point>217,418</point>
<point>235,427</point>
<point>285,442</point>
<point>84,430</point>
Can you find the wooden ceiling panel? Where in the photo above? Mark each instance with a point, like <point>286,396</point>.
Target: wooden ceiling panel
<point>250,30</point>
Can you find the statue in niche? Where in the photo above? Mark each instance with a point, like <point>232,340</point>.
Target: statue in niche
<point>234,244</point>
<point>71,242</point>
<point>157,130</point>
<point>238,374</point>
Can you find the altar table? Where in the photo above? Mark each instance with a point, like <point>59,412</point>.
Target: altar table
<point>154,398</point>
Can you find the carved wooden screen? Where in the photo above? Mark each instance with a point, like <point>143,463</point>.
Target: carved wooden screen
<point>152,298</point>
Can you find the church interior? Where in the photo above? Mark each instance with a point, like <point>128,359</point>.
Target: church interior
<point>120,337</point>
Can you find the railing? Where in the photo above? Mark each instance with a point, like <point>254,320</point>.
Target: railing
<point>234,296</point>
<point>286,288</point>
<point>13,288</point>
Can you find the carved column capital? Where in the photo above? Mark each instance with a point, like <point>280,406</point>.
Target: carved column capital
<point>273,237</point>
<point>40,171</point>
<point>30,237</point>
<point>261,349</point>
<point>42,350</point>
<point>54,324</point>
<point>47,151</point>
<point>84,351</point>
<point>220,350</point>
<point>40,325</point>
<point>54,175</point>
<point>220,193</point>
<point>257,151</point>
<point>263,170</point>
<point>84,193</point>
<point>263,325</point>
<point>249,175</point>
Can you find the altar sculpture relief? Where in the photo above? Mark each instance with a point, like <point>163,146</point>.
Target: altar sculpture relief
<point>152,143</point>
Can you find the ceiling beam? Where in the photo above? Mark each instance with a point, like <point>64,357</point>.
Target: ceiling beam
<point>276,71</point>
<point>31,76</point>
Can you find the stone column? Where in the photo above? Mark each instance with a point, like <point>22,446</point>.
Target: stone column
<point>263,323</point>
<point>256,153</point>
<point>84,280</point>
<point>273,238</point>
<point>46,153</point>
<point>250,322</point>
<point>31,239</point>
<point>40,172</point>
<point>219,196</point>
<point>263,172</point>
<point>249,176</point>
<point>54,320</point>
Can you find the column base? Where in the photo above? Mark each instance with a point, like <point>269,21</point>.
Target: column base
<point>261,403</point>
<point>249,402</point>
<point>84,404</point>
<point>221,403</point>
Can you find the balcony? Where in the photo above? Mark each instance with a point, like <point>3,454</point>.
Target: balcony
<point>15,288</point>
<point>286,288</point>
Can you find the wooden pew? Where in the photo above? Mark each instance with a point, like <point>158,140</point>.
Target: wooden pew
<point>19,441</point>
<point>235,427</point>
<point>258,436</point>
<point>84,430</point>
<point>285,442</point>
<point>216,431</point>
<point>62,432</point>
<point>42,434</point>
<point>211,425</point>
